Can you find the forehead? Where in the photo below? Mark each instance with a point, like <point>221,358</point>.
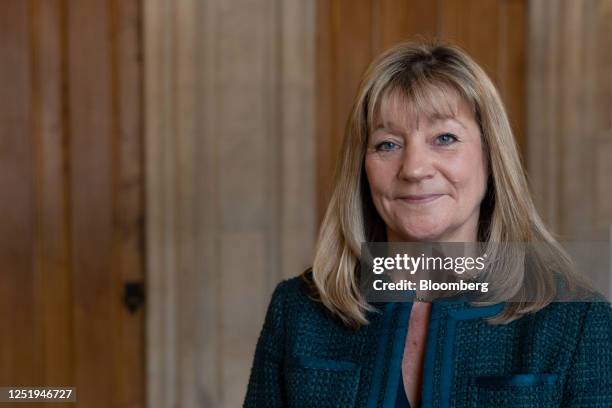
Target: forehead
<point>432,104</point>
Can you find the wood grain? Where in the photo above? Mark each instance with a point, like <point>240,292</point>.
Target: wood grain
<point>230,184</point>
<point>345,48</point>
<point>569,123</point>
<point>92,199</point>
<point>20,347</point>
<point>128,186</point>
<point>72,182</point>
<point>54,297</point>
<point>401,20</point>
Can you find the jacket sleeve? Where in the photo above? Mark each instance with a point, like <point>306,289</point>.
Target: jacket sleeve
<point>589,381</point>
<point>265,387</point>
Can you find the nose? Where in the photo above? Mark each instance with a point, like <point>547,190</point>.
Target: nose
<point>417,163</point>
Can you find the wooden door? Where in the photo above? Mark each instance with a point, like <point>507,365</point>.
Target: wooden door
<point>71,226</point>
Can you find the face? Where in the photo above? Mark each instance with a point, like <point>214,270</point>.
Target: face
<point>427,175</point>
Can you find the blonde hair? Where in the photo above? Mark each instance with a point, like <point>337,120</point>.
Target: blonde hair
<point>418,71</point>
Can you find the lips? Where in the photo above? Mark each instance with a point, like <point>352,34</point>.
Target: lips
<point>419,198</point>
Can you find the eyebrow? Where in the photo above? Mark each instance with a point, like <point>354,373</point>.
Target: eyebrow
<point>436,118</point>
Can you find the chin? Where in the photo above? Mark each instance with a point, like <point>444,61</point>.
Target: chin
<point>423,238</point>
<point>426,233</point>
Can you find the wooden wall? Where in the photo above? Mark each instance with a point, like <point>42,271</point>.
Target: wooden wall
<point>350,33</point>
<point>230,185</point>
<point>71,231</point>
<point>570,120</point>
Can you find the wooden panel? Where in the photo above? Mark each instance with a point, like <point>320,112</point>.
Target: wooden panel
<point>400,20</point>
<point>128,206</point>
<point>72,183</point>
<point>513,66</point>
<point>572,132</point>
<point>350,37</point>
<point>208,259</point>
<point>326,91</point>
<point>229,184</point>
<point>297,117</point>
<point>106,189</point>
<point>475,26</point>
<point>91,178</point>
<point>601,88</point>
<point>184,138</point>
<point>52,188</point>
<point>161,239</point>
<point>20,352</point>
<point>543,76</point>
<point>569,105</point>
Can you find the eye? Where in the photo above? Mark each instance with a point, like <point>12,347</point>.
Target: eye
<point>446,139</point>
<point>386,146</point>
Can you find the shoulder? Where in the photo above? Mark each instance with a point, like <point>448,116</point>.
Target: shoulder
<point>297,303</point>
<point>591,313</point>
<point>298,294</point>
<point>294,292</point>
<point>289,296</point>
<point>574,325</point>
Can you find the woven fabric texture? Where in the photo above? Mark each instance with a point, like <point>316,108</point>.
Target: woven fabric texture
<point>560,356</point>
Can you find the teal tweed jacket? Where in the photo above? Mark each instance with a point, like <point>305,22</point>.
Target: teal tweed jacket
<point>560,356</point>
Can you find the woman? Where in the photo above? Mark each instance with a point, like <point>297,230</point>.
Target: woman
<point>429,156</point>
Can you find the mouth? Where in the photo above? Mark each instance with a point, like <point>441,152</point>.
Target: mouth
<point>419,198</point>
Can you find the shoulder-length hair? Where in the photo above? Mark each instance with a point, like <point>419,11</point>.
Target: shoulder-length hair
<point>420,71</point>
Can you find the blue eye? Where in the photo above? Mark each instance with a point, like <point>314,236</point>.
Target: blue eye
<point>446,139</point>
<point>386,146</point>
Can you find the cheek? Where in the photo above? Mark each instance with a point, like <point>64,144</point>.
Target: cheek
<point>468,173</point>
<point>378,174</point>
